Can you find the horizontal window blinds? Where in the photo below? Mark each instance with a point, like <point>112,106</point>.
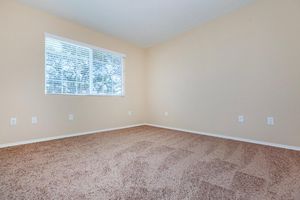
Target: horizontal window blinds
<point>76,69</point>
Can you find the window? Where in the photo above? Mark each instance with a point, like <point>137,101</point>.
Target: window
<point>72,68</point>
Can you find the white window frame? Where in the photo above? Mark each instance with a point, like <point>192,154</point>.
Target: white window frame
<point>92,47</point>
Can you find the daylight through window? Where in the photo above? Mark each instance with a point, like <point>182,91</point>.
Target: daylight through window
<point>72,68</point>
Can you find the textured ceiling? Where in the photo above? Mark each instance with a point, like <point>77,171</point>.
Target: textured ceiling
<point>142,22</point>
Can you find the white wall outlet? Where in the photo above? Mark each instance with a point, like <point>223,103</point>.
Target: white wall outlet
<point>270,121</point>
<point>71,117</point>
<point>34,120</point>
<point>166,113</point>
<point>13,121</point>
<point>130,113</point>
<point>241,119</point>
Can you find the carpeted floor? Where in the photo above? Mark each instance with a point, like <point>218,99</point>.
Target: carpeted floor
<point>148,163</point>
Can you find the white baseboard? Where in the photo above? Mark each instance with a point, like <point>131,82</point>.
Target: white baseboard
<point>230,138</point>
<point>154,125</point>
<point>64,136</point>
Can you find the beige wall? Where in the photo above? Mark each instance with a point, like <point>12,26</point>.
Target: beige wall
<point>22,79</point>
<point>247,62</point>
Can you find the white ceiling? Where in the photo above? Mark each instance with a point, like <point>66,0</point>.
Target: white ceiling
<point>143,22</point>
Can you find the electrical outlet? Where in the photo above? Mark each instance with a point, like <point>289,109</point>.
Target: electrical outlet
<point>241,119</point>
<point>130,113</point>
<point>71,117</point>
<point>270,121</point>
<point>34,120</point>
<point>166,113</point>
<point>13,121</point>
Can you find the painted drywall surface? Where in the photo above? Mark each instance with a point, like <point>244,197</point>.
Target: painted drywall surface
<point>246,63</point>
<point>22,79</point>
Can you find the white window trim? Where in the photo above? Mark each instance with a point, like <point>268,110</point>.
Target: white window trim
<point>92,47</point>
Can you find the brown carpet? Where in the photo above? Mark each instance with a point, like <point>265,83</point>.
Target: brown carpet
<point>148,163</point>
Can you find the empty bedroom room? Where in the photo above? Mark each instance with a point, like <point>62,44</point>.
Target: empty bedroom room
<point>154,100</point>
